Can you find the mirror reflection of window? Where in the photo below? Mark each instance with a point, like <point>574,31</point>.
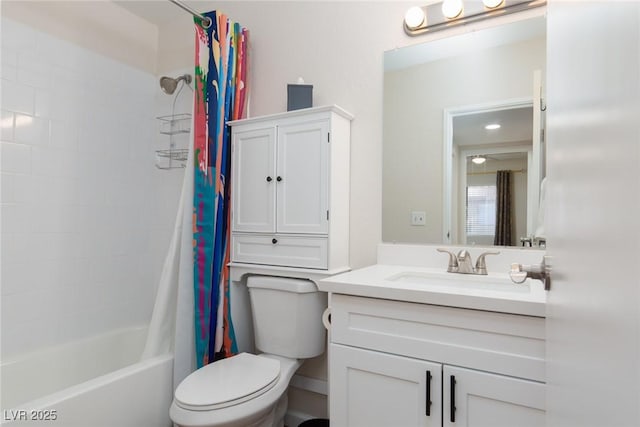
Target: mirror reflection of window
<point>481,196</point>
<point>481,214</point>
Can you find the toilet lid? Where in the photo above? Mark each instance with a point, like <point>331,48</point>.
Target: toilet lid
<point>227,382</point>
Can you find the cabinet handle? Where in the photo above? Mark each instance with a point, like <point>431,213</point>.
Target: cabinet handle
<point>452,409</point>
<point>274,240</point>
<point>428,400</point>
<point>279,179</point>
<point>269,179</point>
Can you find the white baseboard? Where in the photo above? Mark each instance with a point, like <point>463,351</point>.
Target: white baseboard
<point>309,384</point>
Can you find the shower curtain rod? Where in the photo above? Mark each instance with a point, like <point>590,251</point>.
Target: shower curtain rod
<point>206,22</point>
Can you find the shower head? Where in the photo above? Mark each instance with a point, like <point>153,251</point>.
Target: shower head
<point>169,84</point>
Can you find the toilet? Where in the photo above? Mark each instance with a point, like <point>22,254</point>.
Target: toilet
<point>251,390</point>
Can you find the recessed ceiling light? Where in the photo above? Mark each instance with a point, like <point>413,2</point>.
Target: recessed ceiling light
<point>492,126</point>
<point>478,160</point>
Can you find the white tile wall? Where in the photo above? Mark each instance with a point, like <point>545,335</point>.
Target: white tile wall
<point>86,216</point>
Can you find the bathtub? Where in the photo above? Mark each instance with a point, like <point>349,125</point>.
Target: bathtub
<point>94,382</point>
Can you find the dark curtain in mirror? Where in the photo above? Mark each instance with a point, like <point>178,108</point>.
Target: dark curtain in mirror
<point>504,217</point>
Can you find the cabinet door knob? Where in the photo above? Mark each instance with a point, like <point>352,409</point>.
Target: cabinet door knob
<point>269,179</point>
<point>274,240</point>
<point>279,179</point>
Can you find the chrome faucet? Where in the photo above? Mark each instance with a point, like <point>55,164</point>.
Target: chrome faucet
<point>461,263</point>
<point>465,265</point>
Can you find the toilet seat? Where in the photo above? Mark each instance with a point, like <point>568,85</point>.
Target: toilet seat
<point>227,382</point>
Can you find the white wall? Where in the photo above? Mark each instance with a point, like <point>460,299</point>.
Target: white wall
<point>414,100</point>
<point>84,210</point>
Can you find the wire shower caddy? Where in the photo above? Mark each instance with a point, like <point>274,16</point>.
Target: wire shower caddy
<point>173,125</point>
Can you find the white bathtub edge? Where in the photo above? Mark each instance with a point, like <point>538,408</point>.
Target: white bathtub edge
<point>92,384</point>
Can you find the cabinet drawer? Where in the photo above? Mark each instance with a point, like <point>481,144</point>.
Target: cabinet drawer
<point>288,251</point>
<point>495,342</point>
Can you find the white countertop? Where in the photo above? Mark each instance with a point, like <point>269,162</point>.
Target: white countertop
<point>436,286</point>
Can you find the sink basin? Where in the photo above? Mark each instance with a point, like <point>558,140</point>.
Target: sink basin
<point>455,280</point>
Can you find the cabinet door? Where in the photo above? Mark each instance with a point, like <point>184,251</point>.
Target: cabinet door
<point>254,181</point>
<point>302,178</point>
<point>369,389</point>
<point>474,398</point>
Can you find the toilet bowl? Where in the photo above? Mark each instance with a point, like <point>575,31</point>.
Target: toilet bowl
<point>243,390</point>
<point>250,390</point>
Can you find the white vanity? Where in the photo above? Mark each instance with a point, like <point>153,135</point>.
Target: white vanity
<point>412,345</point>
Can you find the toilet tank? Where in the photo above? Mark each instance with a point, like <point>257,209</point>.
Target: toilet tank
<point>287,316</point>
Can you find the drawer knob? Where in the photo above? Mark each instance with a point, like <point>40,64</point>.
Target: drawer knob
<point>274,240</point>
<point>279,179</point>
<point>269,179</point>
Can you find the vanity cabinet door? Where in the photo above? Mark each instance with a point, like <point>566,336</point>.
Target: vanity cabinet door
<point>475,398</point>
<point>369,389</point>
<point>303,177</point>
<point>254,180</point>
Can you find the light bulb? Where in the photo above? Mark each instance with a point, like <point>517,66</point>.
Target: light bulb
<point>451,8</point>
<point>478,160</point>
<point>492,126</point>
<point>414,17</point>
<point>492,4</point>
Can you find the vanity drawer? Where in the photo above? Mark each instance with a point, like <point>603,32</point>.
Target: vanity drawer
<point>288,251</point>
<point>496,342</point>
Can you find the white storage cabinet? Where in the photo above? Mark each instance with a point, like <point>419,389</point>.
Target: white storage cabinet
<point>290,189</point>
<point>404,364</point>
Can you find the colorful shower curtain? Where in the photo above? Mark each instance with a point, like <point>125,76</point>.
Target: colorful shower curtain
<point>220,95</point>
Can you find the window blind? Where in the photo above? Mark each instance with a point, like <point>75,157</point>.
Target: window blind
<point>481,210</point>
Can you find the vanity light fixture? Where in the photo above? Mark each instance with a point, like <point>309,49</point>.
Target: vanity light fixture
<point>492,4</point>
<point>449,13</point>
<point>492,126</point>
<point>478,160</point>
<point>414,17</point>
<point>452,8</point>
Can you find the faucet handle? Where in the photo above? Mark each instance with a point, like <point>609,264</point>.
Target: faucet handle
<point>481,265</point>
<point>453,260</point>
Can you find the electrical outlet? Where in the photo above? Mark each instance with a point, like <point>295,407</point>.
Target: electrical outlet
<point>418,218</point>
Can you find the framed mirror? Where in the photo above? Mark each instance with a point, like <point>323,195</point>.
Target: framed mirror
<point>438,98</point>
